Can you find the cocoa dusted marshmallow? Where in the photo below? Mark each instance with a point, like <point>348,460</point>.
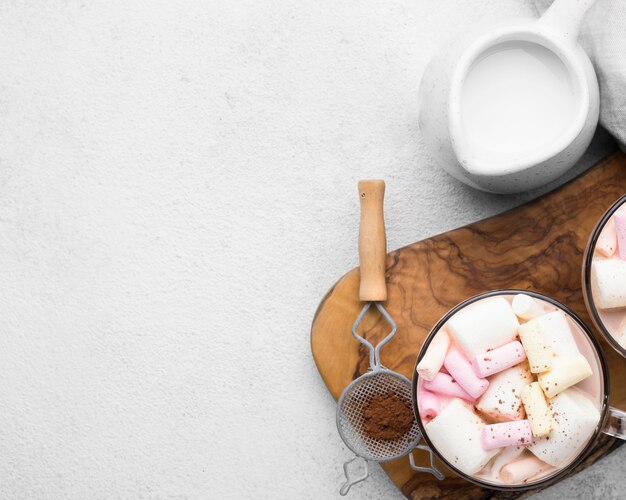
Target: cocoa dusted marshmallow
<point>502,401</point>
<point>564,374</point>
<point>485,324</point>
<point>506,434</point>
<point>537,410</point>
<point>575,418</point>
<point>433,358</point>
<point>557,333</point>
<point>455,432</point>
<point>607,283</point>
<point>501,358</point>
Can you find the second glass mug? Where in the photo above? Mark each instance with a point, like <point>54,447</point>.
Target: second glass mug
<point>612,420</point>
<point>597,316</point>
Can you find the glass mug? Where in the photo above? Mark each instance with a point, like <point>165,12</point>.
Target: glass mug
<point>611,421</point>
<point>606,321</point>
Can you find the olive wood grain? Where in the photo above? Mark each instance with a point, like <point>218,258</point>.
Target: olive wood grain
<point>538,246</point>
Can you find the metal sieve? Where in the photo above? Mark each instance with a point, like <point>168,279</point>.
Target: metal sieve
<point>378,380</point>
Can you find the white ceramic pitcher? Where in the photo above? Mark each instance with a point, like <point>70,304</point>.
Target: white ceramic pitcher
<point>495,166</point>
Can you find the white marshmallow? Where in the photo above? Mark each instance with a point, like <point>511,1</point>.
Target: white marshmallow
<point>575,419</point>
<point>482,325</point>
<point>537,410</point>
<point>523,470</point>
<point>538,351</point>
<point>607,241</point>
<point>506,456</point>
<point>565,373</point>
<point>455,432</point>
<point>502,400</point>
<point>432,361</point>
<point>557,334</point>
<point>525,307</point>
<point>607,283</point>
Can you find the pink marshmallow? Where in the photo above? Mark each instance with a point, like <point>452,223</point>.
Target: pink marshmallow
<point>499,359</point>
<point>428,405</point>
<point>516,433</point>
<point>445,385</point>
<point>620,230</point>
<point>461,370</point>
<point>522,470</point>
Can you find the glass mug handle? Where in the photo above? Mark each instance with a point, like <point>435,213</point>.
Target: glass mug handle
<point>615,423</point>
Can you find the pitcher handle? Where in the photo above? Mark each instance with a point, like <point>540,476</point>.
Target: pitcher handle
<point>565,18</point>
<point>615,424</point>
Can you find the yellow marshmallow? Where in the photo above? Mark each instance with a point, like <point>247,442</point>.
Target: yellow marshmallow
<point>565,373</point>
<point>537,410</point>
<point>538,352</point>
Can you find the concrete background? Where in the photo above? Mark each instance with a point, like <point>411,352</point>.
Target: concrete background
<point>177,193</point>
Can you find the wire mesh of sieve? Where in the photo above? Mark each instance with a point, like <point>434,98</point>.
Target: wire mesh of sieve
<point>350,417</point>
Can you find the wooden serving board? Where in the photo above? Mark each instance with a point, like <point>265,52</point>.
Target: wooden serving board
<point>538,246</point>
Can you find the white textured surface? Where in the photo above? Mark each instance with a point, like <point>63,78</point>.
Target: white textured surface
<point>177,192</point>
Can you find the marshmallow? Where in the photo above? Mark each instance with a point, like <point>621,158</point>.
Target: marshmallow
<point>607,283</point>
<point>455,433</point>
<point>499,359</point>
<point>428,405</point>
<point>607,241</point>
<point>461,370</point>
<point>485,324</point>
<point>542,474</point>
<point>525,307</point>
<point>537,410</point>
<point>620,230</point>
<point>538,351</point>
<point>444,384</point>
<point>565,373</point>
<point>502,400</point>
<point>575,419</point>
<point>506,434</point>
<point>557,334</point>
<point>432,361</point>
<point>506,456</point>
<point>522,470</point>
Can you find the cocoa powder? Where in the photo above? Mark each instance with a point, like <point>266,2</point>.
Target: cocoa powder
<point>387,416</point>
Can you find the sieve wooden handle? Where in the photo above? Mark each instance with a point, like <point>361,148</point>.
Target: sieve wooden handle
<point>372,241</point>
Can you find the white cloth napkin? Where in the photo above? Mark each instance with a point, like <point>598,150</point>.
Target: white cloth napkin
<point>604,38</point>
